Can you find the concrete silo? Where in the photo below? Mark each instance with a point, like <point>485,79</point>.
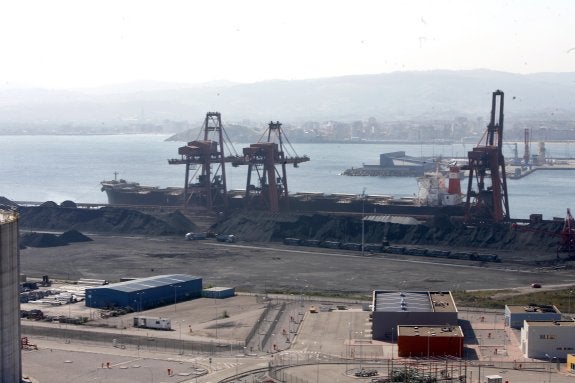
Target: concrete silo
<point>10,357</point>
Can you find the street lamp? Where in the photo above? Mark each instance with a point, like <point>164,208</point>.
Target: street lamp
<point>181,340</point>
<point>362,221</point>
<point>140,295</point>
<point>550,363</point>
<point>175,297</point>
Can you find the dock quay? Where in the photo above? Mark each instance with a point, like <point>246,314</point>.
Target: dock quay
<point>517,172</point>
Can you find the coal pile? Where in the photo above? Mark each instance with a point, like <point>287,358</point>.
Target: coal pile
<point>41,240</point>
<point>50,216</point>
<point>74,236</point>
<point>541,239</point>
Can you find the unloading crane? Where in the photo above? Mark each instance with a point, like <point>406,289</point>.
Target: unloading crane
<point>567,244</point>
<point>206,187</point>
<point>268,160</point>
<point>487,200</point>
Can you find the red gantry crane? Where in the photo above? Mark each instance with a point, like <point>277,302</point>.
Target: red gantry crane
<point>268,161</point>
<point>487,201</point>
<point>206,187</point>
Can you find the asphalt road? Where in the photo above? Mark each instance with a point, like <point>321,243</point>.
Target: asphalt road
<point>274,267</point>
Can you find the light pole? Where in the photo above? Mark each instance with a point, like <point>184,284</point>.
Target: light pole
<point>362,221</point>
<point>181,340</point>
<point>175,297</point>
<point>550,363</point>
<point>140,300</point>
<point>428,336</point>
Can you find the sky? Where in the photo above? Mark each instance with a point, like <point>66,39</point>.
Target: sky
<point>81,43</point>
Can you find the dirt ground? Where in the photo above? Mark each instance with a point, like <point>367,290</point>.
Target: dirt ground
<point>273,267</point>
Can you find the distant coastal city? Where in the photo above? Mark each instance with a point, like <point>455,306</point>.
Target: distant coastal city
<point>369,131</point>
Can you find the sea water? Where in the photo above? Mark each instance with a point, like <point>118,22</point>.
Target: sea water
<point>57,168</point>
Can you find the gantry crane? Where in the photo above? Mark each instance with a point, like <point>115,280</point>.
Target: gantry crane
<point>567,244</point>
<point>264,158</point>
<point>206,188</point>
<point>487,200</point>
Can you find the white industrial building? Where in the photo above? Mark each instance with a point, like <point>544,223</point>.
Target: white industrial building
<point>548,339</point>
<point>515,315</point>
<point>10,354</point>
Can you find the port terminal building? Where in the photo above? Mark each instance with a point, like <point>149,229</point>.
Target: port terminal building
<point>145,293</point>
<point>391,309</point>
<point>516,315</point>
<point>416,308</point>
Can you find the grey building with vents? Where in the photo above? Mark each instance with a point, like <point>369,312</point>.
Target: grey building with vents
<point>396,308</point>
<point>515,315</point>
<point>145,293</point>
<point>10,353</point>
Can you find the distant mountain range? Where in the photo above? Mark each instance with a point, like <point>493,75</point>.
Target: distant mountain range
<point>394,96</point>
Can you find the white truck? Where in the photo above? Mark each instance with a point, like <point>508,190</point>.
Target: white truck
<point>153,323</point>
<point>194,236</point>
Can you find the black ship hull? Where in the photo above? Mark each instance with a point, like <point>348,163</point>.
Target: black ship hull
<point>174,197</point>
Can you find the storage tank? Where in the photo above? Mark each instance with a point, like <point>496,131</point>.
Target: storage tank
<point>10,359</point>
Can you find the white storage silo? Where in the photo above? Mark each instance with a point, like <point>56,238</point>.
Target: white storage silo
<point>10,357</point>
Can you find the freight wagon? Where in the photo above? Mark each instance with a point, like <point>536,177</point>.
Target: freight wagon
<point>373,248</point>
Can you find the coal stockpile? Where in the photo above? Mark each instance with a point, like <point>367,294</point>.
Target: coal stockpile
<point>74,236</point>
<point>104,220</point>
<point>542,238</point>
<point>41,240</point>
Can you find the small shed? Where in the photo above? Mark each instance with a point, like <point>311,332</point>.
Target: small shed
<point>219,292</point>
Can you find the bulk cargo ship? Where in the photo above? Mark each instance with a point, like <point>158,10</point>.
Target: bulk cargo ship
<point>121,192</point>
<point>266,186</point>
<point>437,194</point>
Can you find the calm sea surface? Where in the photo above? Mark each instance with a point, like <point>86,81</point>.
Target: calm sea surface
<point>58,168</point>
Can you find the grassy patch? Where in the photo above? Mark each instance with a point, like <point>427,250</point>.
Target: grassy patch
<point>564,299</point>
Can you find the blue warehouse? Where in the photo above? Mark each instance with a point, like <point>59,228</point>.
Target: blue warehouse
<point>145,293</point>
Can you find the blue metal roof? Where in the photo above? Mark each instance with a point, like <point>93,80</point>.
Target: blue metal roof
<point>149,282</point>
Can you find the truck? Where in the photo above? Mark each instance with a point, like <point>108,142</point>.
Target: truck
<point>230,238</point>
<point>194,236</point>
<point>154,323</point>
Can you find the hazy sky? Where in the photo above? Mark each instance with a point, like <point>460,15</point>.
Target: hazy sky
<point>57,43</point>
